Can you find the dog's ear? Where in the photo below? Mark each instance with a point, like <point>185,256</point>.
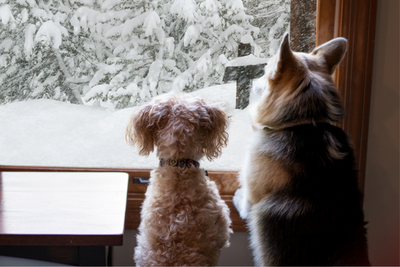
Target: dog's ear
<point>140,131</point>
<point>215,132</point>
<point>332,51</point>
<point>285,56</point>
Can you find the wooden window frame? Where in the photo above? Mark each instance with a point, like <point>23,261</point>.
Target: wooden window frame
<point>355,20</point>
<point>352,19</point>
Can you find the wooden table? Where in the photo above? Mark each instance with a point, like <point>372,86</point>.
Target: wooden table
<point>69,218</point>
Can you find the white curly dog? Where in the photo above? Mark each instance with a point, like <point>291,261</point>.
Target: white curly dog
<point>184,221</point>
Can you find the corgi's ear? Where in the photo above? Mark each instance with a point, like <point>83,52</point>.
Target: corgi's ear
<point>332,51</point>
<point>286,58</point>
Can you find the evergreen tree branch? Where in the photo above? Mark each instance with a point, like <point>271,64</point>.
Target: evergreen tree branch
<point>19,77</point>
<point>64,70</point>
<point>69,78</point>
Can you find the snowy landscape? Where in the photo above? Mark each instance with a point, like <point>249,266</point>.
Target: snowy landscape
<point>73,71</point>
<point>51,133</point>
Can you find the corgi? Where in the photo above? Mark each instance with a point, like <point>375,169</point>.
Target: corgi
<point>300,192</point>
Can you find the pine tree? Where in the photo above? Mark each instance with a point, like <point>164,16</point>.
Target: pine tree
<point>164,45</point>
<point>134,71</point>
<point>273,19</point>
<point>117,52</point>
<point>40,55</point>
<point>210,40</point>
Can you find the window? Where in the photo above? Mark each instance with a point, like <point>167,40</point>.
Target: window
<point>72,72</point>
<point>64,78</point>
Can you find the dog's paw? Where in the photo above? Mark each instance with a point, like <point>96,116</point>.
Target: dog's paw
<point>241,203</point>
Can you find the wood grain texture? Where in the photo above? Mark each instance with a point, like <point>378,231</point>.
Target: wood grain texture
<point>356,22</point>
<point>325,24</point>
<point>62,209</point>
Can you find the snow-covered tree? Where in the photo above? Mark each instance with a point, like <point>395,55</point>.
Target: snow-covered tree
<point>121,52</point>
<point>211,33</point>
<point>41,57</point>
<point>273,19</point>
<point>164,44</point>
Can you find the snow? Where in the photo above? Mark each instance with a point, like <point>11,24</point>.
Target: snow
<point>29,43</point>
<point>127,28</point>
<point>151,23</point>
<point>181,81</point>
<point>3,60</point>
<point>247,39</point>
<point>100,74</point>
<point>31,3</point>
<point>49,33</point>
<point>191,35</point>
<point>84,18</point>
<point>235,5</point>
<point>231,30</point>
<point>39,13</point>
<point>154,74</point>
<point>109,4</point>
<point>7,44</point>
<point>5,14</point>
<point>51,133</point>
<point>185,9</point>
<point>247,60</point>
<point>274,45</point>
<point>101,89</point>
<point>24,16</point>
<point>211,6</point>
<point>169,45</point>
<point>193,40</point>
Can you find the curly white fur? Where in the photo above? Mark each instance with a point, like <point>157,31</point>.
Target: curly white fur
<point>184,221</point>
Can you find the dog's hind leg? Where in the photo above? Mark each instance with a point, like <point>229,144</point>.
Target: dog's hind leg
<point>258,239</point>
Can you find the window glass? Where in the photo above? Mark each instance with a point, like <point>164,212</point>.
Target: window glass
<point>73,71</point>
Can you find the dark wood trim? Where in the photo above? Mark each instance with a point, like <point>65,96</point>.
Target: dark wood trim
<point>325,21</point>
<point>356,22</point>
<point>16,168</point>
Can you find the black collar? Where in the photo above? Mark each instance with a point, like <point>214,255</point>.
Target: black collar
<point>181,163</point>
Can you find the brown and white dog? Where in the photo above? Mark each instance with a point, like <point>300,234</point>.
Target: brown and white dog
<point>184,221</point>
<point>299,186</point>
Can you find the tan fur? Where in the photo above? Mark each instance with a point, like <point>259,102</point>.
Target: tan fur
<point>287,77</point>
<point>179,126</point>
<point>184,221</point>
<point>267,176</point>
<point>288,72</point>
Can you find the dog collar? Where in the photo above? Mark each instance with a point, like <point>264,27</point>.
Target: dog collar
<point>181,163</point>
<point>258,126</point>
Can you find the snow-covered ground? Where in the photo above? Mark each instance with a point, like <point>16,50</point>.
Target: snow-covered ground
<point>51,133</point>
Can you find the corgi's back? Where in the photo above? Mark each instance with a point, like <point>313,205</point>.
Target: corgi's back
<point>303,202</point>
<point>317,218</point>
